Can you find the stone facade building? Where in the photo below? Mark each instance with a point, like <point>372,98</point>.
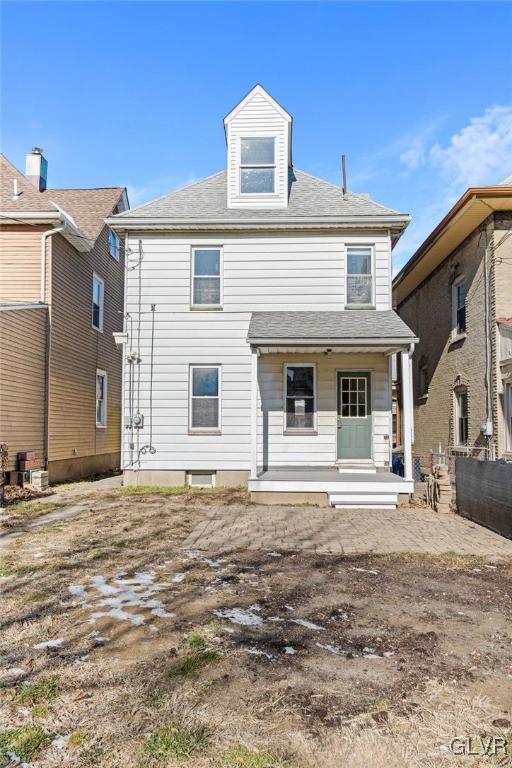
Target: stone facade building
<point>456,295</point>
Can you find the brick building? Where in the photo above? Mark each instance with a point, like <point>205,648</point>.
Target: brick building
<point>456,295</point>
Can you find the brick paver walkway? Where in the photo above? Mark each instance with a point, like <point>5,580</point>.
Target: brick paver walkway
<point>344,532</point>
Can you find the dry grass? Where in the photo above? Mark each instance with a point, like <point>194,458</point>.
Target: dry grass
<point>186,688</point>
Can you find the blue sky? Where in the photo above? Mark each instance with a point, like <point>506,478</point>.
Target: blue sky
<point>417,95</point>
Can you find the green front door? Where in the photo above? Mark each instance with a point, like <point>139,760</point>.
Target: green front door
<point>354,428</point>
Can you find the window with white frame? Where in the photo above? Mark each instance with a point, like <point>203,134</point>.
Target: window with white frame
<point>257,166</point>
<point>508,414</point>
<point>98,297</point>
<point>459,292</point>
<point>113,244</point>
<point>101,398</point>
<point>300,406</point>
<point>206,277</point>
<point>360,288</point>
<point>205,389</point>
<point>461,417</point>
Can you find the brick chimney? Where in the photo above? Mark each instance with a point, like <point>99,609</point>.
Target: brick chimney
<point>36,168</point>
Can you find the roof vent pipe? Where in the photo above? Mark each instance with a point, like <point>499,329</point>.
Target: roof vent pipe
<point>36,168</point>
<point>344,175</point>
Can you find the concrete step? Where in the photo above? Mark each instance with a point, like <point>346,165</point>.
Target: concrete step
<point>363,500</point>
<point>357,467</point>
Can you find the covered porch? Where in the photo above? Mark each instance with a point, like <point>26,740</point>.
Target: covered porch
<point>321,426</point>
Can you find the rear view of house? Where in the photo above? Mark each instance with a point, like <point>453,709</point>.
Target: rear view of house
<point>259,329</point>
<point>61,298</point>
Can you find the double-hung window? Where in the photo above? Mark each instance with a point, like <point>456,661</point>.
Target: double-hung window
<point>257,166</point>
<point>113,244</point>
<point>462,418</point>
<point>98,296</point>
<point>459,292</point>
<point>101,398</point>
<point>360,289</point>
<point>205,386</point>
<point>206,278</point>
<point>299,396</point>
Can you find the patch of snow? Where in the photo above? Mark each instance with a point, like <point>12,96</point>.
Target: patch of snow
<point>275,618</point>
<point>368,649</point>
<point>258,652</point>
<point>153,629</point>
<point>77,589</point>
<point>491,567</point>
<point>289,608</point>
<point>289,650</point>
<point>60,742</point>
<point>192,554</point>
<point>81,659</point>
<point>387,654</point>
<point>365,570</point>
<point>274,554</point>
<point>371,656</point>
<point>213,563</point>
<point>15,760</point>
<point>162,613</point>
<point>117,613</point>
<point>50,643</point>
<point>308,624</point>
<point>13,672</point>
<point>178,577</point>
<point>238,616</point>
<point>332,649</point>
<point>255,607</point>
<point>39,554</point>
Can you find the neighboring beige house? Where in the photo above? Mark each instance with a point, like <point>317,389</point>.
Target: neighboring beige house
<point>456,295</point>
<point>61,298</point>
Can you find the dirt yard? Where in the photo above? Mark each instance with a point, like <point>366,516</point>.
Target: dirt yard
<point>120,649</point>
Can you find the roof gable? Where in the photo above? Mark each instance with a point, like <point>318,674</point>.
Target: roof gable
<point>258,90</point>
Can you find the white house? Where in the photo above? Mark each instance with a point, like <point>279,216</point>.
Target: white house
<point>259,329</point>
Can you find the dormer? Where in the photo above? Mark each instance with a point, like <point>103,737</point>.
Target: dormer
<point>258,137</point>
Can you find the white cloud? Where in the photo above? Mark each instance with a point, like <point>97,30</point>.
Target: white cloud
<point>481,152</point>
<point>414,157</point>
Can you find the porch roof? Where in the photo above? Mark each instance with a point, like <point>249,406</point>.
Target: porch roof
<point>362,327</point>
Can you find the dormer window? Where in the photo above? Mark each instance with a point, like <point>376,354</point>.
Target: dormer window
<point>257,166</point>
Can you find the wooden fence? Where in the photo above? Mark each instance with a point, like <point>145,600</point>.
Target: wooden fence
<point>484,493</point>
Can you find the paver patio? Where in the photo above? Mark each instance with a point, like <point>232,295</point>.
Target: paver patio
<point>417,530</point>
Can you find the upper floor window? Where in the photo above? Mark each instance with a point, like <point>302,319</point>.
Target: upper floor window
<point>113,244</point>
<point>459,292</point>
<point>206,277</point>
<point>101,398</point>
<point>257,166</point>
<point>98,293</point>
<point>360,275</point>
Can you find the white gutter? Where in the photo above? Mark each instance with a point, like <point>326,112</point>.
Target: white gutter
<point>44,237</point>
<point>336,342</point>
<point>385,222</point>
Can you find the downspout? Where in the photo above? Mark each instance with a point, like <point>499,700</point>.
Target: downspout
<point>412,346</point>
<point>42,297</point>
<point>45,235</point>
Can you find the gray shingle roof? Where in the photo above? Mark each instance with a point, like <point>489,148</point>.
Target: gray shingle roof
<point>309,197</point>
<point>345,325</point>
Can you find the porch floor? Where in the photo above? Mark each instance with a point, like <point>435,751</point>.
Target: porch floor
<point>326,475</point>
<point>342,489</point>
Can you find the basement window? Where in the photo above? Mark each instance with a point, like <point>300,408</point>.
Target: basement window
<point>201,479</point>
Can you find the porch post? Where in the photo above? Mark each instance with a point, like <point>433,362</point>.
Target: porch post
<point>407,412</point>
<point>254,413</point>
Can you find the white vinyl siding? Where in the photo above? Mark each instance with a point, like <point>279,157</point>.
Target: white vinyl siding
<point>260,272</point>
